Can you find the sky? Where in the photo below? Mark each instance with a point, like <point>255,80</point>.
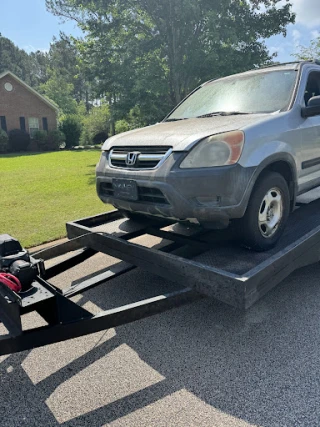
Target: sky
<point>306,28</point>
<point>31,27</point>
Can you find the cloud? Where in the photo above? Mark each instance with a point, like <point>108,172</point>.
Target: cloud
<point>30,48</point>
<point>308,12</point>
<point>307,28</point>
<point>276,49</point>
<point>296,35</point>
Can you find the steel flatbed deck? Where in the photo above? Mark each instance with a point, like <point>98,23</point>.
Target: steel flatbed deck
<point>207,263</point>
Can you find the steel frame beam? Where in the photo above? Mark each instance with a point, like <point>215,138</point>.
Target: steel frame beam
<point>173,260</point>
<point>63,331</point>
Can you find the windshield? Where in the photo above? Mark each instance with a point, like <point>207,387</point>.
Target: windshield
<point>252,93</point>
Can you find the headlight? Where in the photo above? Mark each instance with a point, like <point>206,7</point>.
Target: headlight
<point>217,150</point>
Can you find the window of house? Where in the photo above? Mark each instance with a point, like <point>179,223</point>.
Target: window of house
<point>45,123</point>
<point>8,87</point>
<point>22,123</point>
<point>33,125</point>
<point>3,123</point>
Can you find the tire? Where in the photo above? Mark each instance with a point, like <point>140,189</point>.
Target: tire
<point>267,213</point>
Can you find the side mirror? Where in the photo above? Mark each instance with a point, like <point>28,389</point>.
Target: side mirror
<point>313,107</point>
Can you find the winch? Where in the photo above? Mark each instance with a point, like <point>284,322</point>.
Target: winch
<point>17,269</point>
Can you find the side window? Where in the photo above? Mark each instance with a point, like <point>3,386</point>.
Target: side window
<point>33,125</point>
<point>313,86</point>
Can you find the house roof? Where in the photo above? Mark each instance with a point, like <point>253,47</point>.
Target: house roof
<point>29,88</point>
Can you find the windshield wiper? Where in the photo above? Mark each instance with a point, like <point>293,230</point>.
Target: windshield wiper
<point>215,113</point>
<point>221,113</point>
<point>175,120</point>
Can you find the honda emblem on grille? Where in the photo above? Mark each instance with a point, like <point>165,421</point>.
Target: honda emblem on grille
<point>132,158</point>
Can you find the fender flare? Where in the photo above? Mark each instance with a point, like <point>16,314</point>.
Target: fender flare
<point>269,161</point>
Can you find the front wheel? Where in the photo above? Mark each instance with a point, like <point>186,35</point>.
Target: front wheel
<point>267,213</point>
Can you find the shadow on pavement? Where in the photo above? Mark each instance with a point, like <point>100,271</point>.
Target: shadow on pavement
<point>260,367</point>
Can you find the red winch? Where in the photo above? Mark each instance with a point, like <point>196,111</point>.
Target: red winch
<point>17,271</point>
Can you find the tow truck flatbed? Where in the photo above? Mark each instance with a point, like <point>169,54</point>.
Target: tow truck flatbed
<point>207,263</point>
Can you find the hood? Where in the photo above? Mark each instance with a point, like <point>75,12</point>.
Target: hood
<point>183,134</point>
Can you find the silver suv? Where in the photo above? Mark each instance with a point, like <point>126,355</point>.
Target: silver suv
<point>240,148</point>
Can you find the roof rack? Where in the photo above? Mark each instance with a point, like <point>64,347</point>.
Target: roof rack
<point>281,64</point>
<point>311,61</point>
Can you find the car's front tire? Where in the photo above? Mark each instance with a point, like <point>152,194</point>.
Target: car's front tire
<point>267,213</point>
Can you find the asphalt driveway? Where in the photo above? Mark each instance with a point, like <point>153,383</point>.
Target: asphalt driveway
<point>205,364</point>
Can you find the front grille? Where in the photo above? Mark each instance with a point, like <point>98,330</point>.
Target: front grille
<point>143,157</point>
<point>146,194</point>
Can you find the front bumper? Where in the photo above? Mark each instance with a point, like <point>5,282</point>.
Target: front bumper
<point>206,195</point>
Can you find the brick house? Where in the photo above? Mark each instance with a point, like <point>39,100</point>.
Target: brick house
<point>21,107</point>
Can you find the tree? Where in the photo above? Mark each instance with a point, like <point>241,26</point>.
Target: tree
<point>183,41</point>
<point>31,68</point>
<point>59,91</point>
<point>39,67</point>
<point>64,58</point>
<point>307,53</point>
<point>133,120</point>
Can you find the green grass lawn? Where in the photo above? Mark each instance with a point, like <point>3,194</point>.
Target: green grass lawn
<point>41,192</point>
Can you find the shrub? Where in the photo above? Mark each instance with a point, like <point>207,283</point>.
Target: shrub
<point>100,138</point>
<point>4,140</point>
<point>95,126</point>
<point>85,137</point>
<point>40,137</point>
<point>122,126</point>
<point>133,120</point>
<point>71,128</point>
<point>55,139</point>
<point>19,140</point>
<point>136,118</point>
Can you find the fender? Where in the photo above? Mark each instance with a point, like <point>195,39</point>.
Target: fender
<point>266,164</point>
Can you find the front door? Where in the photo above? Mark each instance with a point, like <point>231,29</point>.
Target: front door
<point>310,136</point>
